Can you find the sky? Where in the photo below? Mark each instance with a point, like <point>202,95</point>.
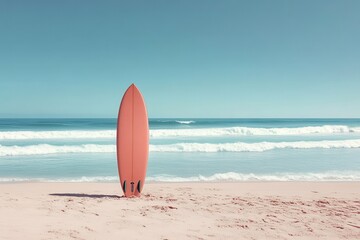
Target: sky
<point>189,58</point>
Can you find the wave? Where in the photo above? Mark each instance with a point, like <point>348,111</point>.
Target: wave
<point>185,122</point>
<point>41,149</point>
<point>173,121</point>
<point>73,134</point>
<point>78,179</point>
<point>218,177</point>
<point>247,131</point>
<point>179,147</point>
<point>253,147</point>
<point>164,133</point>
<point>232,176</point>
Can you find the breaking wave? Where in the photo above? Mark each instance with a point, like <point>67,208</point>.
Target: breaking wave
<point>218,177</point>
<point>194,132</point>
<point>41,149</point>
<point>185,122</point>
<point>248,131</point>
<point>78,179</point>
<point>179,147</point>
<point>73,134</point>
<point>253,147</point>
<point>232,176</point>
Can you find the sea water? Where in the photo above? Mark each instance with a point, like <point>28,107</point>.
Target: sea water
<point>77,150</point>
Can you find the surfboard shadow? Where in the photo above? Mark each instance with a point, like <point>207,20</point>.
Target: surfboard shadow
<point>82,195</point>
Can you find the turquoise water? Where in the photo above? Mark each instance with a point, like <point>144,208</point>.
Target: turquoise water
<point>184,149</point>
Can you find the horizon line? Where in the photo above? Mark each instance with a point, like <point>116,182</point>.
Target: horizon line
<point>184,118</point>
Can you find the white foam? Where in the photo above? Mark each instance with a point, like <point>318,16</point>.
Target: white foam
<point>88,179</point>
<point>253,147</point>
<point>14,179</point>
<point>218,177</point>
<point>164,133</point>
<point>72,134</point>
<point>78,179</point>
<point>247,131</point>
<point>232,176</point>
<point>185,122</point>
<point>41,149</point>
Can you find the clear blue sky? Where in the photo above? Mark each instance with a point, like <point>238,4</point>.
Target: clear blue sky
<point>192,58</point>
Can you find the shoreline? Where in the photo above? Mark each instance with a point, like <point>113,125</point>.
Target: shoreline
<point>187,182</point>
<point>202,210</point>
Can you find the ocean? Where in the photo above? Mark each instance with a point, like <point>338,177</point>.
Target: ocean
<point>83,150</point>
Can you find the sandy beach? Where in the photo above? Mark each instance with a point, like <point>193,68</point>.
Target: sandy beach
<point>244,210</point>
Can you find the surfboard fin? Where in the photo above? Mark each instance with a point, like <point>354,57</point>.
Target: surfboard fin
<point>139,186</point>
<point>124,186</point>
<point>132,186</point>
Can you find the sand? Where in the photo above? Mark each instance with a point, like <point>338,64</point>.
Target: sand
<point>245,210</point>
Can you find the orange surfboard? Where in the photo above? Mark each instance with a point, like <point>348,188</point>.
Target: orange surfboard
<point>132,142</point>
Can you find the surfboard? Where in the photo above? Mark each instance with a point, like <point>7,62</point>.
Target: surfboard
<point>132,142</point>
